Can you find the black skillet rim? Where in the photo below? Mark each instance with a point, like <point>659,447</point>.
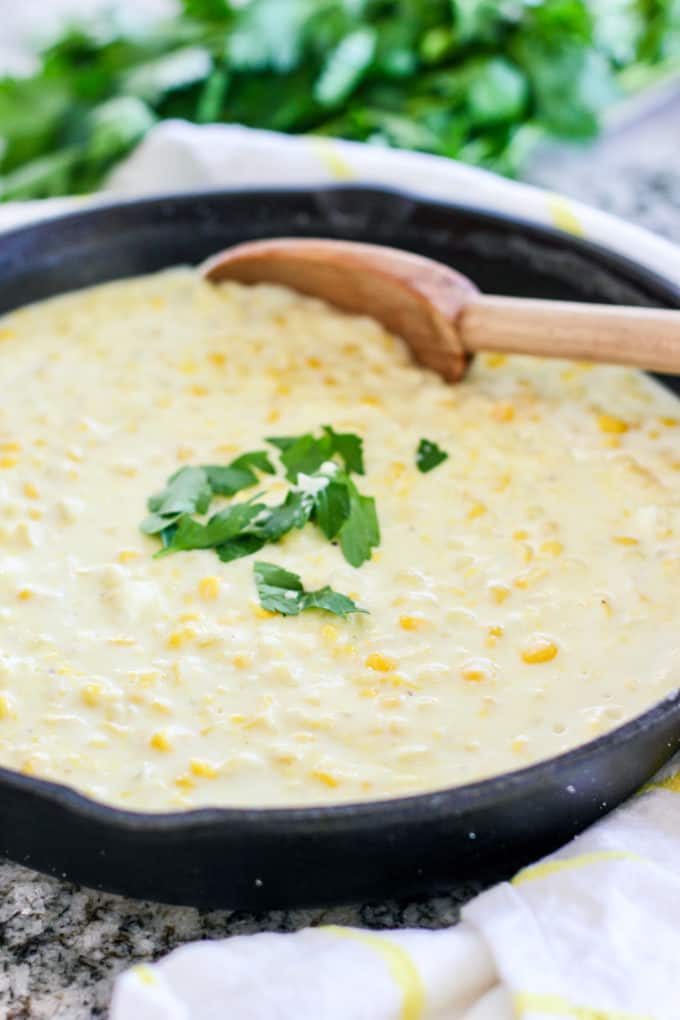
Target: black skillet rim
<point>454,800</point>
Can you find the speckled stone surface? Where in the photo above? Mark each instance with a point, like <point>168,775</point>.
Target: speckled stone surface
<point>61,946</point>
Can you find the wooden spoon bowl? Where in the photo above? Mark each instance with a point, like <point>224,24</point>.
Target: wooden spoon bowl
<point>440,313</point>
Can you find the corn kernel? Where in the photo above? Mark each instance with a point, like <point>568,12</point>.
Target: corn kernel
<point>203,769</point>
<point>241,661</point>
<point>30,491</point>
<point>495,631</point>
<point>159,741</point>
<point>185,783</point>
<point>529,577</point>
<point>5,710</point>
<point>381,663</point>
<point>209,588</point>
<point>499,593</point>
<point>396,469</point>
<point>608,423</point>
<point>503,412</point>
<point>520,535</point>
<point>329,634</point>
<point>199,391</point>
<point>90,694</point>
<point>24,594</point>
<point>412,622</point>
<point>541,649</point>
<point>180,637</point>
<point>127,555</point>
<point>495,360</point>
<point>552,548</point>
<point>162,707</point>
<point>8,461</point>
<point>625,540</point>
<point>188,366</point>
<point>217,358</point>
<point>476,510</point>
<point>476,670</point>
<point>327,778</point>
<point>669,422</point>
<point>7,334</point>
<point>263,614</point>
<point>313,363</point>
<point>519,744</point>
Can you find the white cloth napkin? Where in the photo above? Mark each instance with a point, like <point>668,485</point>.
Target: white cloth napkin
<point>591,932</point>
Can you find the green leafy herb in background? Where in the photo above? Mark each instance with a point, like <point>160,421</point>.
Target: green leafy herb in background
<point>472,79</point>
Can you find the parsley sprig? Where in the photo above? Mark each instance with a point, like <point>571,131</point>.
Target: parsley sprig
<point>281,591</point>
<point>429,456</point>
<point>322,491</point>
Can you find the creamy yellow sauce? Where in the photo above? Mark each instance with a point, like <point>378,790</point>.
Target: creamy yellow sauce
<point>524,597</point>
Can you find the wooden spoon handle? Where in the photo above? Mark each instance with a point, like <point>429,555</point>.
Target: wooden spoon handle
<point>644,337</point>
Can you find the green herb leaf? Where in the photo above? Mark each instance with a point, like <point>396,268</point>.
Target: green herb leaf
<point>294,512</point>
<point>188,491</point>
<point>242,545</point>
<point>221,528</point>
<point>281,591</point>
<point>429,455</point>
<point>349,447</point>
<point>331,601</point>
<point>303,454</point>
<point>361,531</point>
<point>307,453</point>
<point>332,507</point>
<point>240,474</point>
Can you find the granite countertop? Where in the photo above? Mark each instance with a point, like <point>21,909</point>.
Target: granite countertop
<point>61,946</point>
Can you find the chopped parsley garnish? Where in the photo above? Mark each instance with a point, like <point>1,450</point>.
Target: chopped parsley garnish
<point>191,489</point>
<point>222,527</point>
<point>322,491</point>
<point>429,455</point>
<point>281,591</point>
<point>360,532</point>
<point>306,454</point>
<point>240,474</point>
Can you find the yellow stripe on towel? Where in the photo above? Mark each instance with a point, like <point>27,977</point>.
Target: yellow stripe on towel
<point>563,215</point>
<point>555,1005</point>
<point>328,153</point>
<point>671,783</point>
<point>144,974</point>
<point>400,964</point>
<point>568,863</point>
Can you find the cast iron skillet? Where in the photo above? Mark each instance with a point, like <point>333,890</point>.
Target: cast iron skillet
<point>257,859</point>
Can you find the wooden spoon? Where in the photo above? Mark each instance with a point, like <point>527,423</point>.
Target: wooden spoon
<point>440,313</point>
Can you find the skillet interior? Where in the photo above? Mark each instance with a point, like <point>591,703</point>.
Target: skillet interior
<point>259,859</point>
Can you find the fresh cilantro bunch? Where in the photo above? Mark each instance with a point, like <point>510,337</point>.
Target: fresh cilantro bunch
<point>477,80</point>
